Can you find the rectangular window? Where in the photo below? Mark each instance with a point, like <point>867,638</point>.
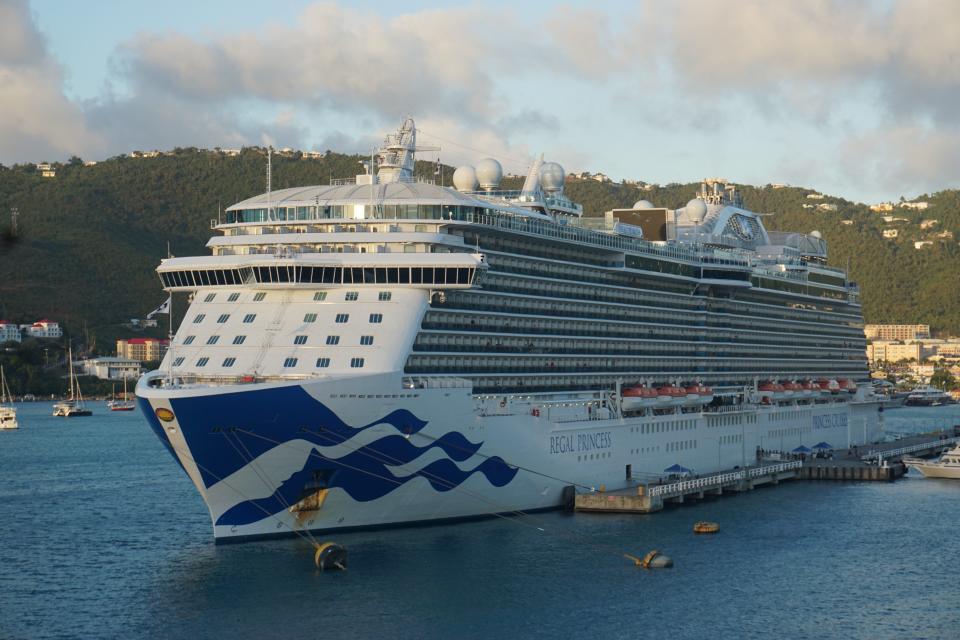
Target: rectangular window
<point>239,339</point>
<point>178,362</point>
<point>376,318</point>
<point>250,317</point>
<point>323,362</point>
<point>233,297</point>
<point>320,296</point>
<point>210,297</point>
<point>290,362</point>
<point>202,362</point>
<point>310,317</point>
<point>356,363</point>
<point>342,317</point>
<point>333,340</point>
<point>189,339</point>
<point>223,318</point>
<point>366,340</point>
<point>351,296</point>
<point>385,296</point>
<point>199,318</point>
<point>259,296</point>
<point>228,362</point>
<point>213,339</point>
<point>300,340</point>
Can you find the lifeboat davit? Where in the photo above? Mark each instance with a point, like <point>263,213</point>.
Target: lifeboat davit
<point>638,397</point>
<point>794,389</point>
<point>771,390</point>
<point>811,388</point>
<point>846,385</point>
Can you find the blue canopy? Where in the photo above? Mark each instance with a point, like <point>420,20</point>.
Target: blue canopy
<point>676,469</point>
<point>823,445</point>
<point>801,449</point>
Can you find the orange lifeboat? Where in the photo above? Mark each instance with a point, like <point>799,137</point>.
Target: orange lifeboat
<point>828,386</point>
<point>846,385</point>
<point>638,397</point>
<point>670,394</point>
<point>698,394</point>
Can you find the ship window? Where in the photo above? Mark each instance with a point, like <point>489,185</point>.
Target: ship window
<point>210,297</point>
<point>366,340</point>
<point>228,362</point>
<point>356,363</point>
<point>323,362</point>
<point>233,297</point>
<point>223,318</point>
<point>202,362</point>
<point>310,317</point>
<point>385,295</point>
<point>259,296</point>
<point>290,362</point>
<point>333,340</point>
<point>213,339</point>
<point>300,340</point>
<point>189,339</point>
<point>178,362</point>
<point>199,318</point>
<point>376,318</point>
<point>351,296</point>
<point>239,339</point>
<point>320,296</point>
<point>342,317</point>
<point>250,317</point>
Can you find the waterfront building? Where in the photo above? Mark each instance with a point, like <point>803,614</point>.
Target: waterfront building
<point>385,350</point>
<point>892,332</point>
<point>46,329</point>
<point>107,368</point>
<point>142,349</point>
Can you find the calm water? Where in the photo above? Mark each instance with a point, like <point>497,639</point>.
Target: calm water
<point>102,536</point>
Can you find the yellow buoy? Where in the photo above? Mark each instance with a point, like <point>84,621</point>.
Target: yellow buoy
<point>705,527</point>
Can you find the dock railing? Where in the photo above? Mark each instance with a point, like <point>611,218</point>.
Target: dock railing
<point>710,482</point>
<point>879,456</point>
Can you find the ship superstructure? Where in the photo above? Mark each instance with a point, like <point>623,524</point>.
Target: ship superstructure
<point>388,350</point>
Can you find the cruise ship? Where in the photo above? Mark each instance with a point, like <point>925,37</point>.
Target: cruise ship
<point>384,350</point>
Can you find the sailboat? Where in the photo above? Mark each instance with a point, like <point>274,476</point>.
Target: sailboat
<point>8,414</point>
<point>73,406</point>
<point>121,405</point>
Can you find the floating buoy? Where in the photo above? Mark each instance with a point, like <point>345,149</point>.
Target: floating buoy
<point>705,527</point>
<point>653,560</point>
<point>330,555</point>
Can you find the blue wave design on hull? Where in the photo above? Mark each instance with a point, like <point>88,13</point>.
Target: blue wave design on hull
<point>216,430</point>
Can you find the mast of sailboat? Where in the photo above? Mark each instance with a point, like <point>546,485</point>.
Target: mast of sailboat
<point>70,369</point>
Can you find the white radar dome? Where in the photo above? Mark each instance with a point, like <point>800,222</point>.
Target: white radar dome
<point>643,204</point>
<point>552,176</point>
<point>465,179</point>
<point>489,173</point>
<point>696,209</point>
<point>816,234</point>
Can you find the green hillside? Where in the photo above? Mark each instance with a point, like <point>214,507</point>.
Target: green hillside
<point>90,238</point>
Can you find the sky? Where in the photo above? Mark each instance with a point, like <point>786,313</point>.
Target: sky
<point>856,99</point>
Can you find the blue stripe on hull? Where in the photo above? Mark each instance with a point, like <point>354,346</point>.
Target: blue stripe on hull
<point>225,432</point>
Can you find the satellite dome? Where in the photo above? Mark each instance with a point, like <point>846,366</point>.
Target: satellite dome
<point>552,176</point>
<point>696,209</point>
<point>489,173</point>
<point>643,204</point>
<point>465,179</point>
<point>816,234</point>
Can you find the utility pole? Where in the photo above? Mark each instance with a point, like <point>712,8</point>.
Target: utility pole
<point>14,213</point>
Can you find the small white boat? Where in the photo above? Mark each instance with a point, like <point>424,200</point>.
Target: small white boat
<point>73,406</point>
<point>946,466</point>
<point>8,413</point>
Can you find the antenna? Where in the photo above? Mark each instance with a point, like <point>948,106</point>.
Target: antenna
<point>269,180</point>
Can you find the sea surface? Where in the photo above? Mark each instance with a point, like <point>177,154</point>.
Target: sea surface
<point>103,536</point>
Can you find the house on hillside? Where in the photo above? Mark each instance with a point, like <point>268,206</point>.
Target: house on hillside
<point>881,207</point>
<point>894,219</point>
<point>826,206</point>
<point>927,224</point>
<point>916,206</point>
<point>891,233</point>
<point>9,332</point>
<point>846,222</point>
<point>919,244</point>
<point>46,170</point>
<point>815,196</point>
<point>46,329</point>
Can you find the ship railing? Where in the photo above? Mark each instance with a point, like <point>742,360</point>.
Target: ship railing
<point>436,382</point>
<point>214,380</point>
<point>709,482</point>
<point>880,456</point>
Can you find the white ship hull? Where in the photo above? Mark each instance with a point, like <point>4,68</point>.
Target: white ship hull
<point>380,455</point>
